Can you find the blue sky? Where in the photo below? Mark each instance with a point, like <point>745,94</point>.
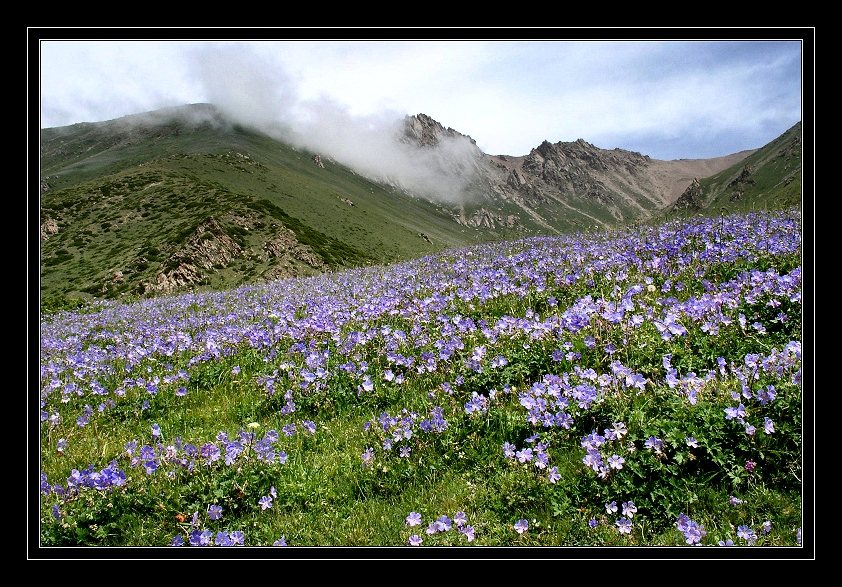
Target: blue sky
<point>666,99</point>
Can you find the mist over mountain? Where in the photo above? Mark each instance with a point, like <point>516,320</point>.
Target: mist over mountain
<point>199,196</point>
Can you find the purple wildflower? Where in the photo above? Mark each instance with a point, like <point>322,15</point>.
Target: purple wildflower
<point>768,426</point>
<point>624,526</point>
<point>460,519</point>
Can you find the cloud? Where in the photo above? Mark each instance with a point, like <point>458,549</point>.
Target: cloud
<point>667,99</point>
<point>256,92</point>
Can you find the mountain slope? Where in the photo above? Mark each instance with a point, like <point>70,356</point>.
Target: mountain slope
<point>182,198</point>
<point>160,204</point>
<point>768,178</point>
<point>567,185</point>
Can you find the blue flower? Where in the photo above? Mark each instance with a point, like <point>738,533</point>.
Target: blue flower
<point>521,526</point>
<point>214,512</point>
<point>222,539</point>
<point>624,526</point>
<point>413,519</point>
<point>460,519</point>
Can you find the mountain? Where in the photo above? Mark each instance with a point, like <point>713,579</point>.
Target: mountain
<point>178,199</point>
<point>567,185</point>
<point>183,198</point>
<point>767,178</point>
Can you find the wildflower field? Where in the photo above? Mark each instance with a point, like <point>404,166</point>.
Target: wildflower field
<point>626,388</point>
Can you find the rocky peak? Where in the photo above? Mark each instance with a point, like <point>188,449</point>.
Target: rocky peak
<point>424,131</point>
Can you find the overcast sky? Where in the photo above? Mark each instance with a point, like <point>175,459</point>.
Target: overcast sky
<point>666,99</point>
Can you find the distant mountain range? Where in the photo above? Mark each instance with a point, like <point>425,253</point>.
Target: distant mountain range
<point>184,198</point>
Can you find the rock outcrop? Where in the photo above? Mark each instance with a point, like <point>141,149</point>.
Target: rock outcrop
<point>691,199</point>
<point>285,248</point>
<point>740,183</point>
<point>48,228</point>
<point>209,248</point>
<point>572,183</point>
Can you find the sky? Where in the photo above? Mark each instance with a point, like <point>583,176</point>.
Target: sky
<point>665,99</point>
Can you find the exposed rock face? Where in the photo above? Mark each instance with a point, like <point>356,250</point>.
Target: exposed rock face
<point>483,218</point>
<point>48,227</point>
<point>211,247</point>
<point>208,248</point>
<point>739,184</point>
<point>285,248</point>
<point>691,199</point>
<point>426,132</point>
<point>571,181</point>
<point>182,276</point>
<point>317,159</point>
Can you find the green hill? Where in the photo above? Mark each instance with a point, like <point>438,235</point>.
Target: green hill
<point>183,199</point>
<point>134,207</point>
<point>770,178</point>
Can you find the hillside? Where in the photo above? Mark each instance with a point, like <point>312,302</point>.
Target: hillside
<point>768,178</point>
<point>148,206</point>
<point>567,186</point>
<point>639,387</point>
<point>183,199</point>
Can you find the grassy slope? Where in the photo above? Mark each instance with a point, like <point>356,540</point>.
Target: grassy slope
<point>775,179</point>
<point>115,199</point>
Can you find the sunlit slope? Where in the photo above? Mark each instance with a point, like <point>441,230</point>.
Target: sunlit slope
<point>130,201</point>
<point>770,178</point>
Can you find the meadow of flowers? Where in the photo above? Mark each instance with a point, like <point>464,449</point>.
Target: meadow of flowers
<point>623,388</point>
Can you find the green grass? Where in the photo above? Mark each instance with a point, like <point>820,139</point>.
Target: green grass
<point>774,182</point>
<point>114,200</point>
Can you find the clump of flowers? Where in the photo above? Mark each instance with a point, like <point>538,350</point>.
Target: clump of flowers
<point>440,525</point>
<point>693,531</point>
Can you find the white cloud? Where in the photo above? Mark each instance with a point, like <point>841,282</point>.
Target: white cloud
<point>509,96</point>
